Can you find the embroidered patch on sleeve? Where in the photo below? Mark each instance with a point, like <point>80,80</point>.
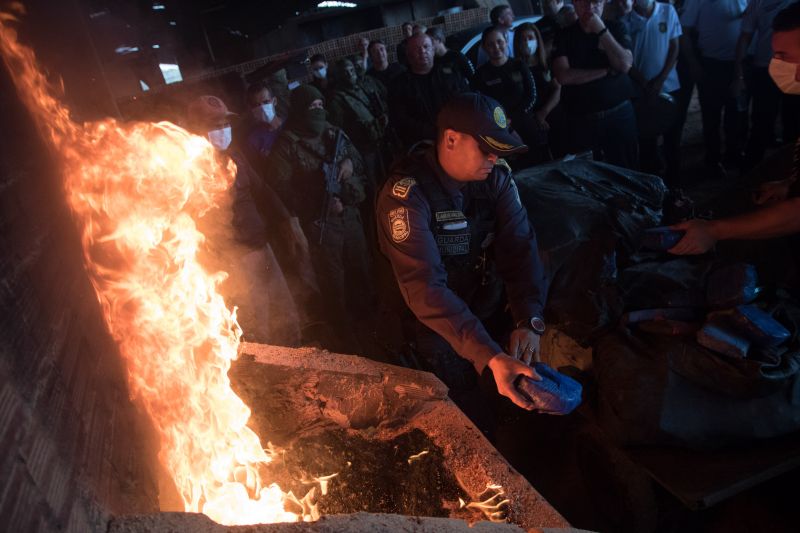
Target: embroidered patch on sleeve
<point>403,187</point>
<point>398,222</point>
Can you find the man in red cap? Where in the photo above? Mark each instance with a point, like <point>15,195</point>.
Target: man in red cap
<point>256,283</point>
<point>451,223</point>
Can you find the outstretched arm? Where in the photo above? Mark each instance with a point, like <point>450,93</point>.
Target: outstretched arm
<point>777,221</point>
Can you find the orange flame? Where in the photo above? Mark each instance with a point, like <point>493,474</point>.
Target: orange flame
<point>136,191</point>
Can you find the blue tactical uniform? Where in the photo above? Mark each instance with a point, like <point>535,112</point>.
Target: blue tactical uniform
<point>452,246</point>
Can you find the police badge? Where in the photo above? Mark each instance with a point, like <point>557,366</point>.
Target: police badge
<point>662,27</point>
<point>398,222</point>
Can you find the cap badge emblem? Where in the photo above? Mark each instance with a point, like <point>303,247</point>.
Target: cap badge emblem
<point>500,117</point>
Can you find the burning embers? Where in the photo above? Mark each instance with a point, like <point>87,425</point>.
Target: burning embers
<point>137,192</point>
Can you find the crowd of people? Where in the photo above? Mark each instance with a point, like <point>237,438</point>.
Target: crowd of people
<point>614,78</point>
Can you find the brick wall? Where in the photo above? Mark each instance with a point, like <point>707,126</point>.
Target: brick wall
<point>73,449</point>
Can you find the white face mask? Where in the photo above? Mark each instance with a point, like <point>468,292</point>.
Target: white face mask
<point>220,139</point>
<point>783,74</point>
<point>533,45</point>
<point>321,73</point>
<point>264,112</point>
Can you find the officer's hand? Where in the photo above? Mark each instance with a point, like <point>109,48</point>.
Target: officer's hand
<point>524,345</point>
<point>505,370</point>
<point>345,169</point>
<point>700,237</point>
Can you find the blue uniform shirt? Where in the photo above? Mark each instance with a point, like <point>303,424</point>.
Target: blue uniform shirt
<point>405,236</point>
<point>718,23</point>
<point>758,21</point>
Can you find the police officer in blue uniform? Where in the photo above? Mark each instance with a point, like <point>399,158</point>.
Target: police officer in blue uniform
<point>452,225</point>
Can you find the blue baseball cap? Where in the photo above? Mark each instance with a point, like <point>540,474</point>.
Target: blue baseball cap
<point>483,118</point>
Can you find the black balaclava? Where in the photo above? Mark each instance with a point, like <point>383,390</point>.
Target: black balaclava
<point>302,120</point>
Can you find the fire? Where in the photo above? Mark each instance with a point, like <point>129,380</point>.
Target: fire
<point>136,191</point>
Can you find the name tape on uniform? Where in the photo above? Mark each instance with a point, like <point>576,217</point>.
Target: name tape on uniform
<point>451,220</point>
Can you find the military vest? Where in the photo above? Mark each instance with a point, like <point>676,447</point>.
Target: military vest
<point>370,132</point>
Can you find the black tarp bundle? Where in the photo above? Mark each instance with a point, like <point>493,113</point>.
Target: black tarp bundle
<point>584,212</point>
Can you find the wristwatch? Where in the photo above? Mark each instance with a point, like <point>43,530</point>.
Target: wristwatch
<point>535,324</point>
<point>601,32</point>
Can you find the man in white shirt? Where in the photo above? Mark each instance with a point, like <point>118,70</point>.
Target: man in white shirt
<point>767,99</point>
<point>654,29</point>
<point>717,24</point>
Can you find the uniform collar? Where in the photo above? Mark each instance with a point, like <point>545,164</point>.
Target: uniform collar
<point>450,185</point>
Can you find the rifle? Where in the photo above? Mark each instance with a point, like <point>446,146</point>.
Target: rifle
<point>332,186</point>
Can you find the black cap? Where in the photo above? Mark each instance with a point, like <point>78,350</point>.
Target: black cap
<point>483,118</point>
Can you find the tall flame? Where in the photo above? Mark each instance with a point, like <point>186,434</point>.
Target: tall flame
<point>136,191</point>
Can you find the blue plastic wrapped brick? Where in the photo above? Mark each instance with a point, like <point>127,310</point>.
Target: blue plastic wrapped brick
<point>732,285</point>
<point>555,394</point>
<point>718,336</point>
<point>662,238</point>
<point>759,326</point>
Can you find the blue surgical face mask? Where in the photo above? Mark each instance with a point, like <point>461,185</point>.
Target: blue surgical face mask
<point>264,112</point>
<point>220,139</point>
<point>533,45</point>
<point>320,73</point>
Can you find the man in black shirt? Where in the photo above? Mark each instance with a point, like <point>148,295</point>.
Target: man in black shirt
<point>416,96</point>
<point>448,58</point>
<point>407,29</point>
<point>591,62</point>
<point>548,24</point>
<point>382,70</point>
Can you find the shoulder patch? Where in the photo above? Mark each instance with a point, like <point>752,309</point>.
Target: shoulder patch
<point>398,222</point>
<point>402,187</point>
<point>503,163</point>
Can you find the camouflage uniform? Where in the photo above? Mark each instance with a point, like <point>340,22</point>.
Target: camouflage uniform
<point>340,260</point>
